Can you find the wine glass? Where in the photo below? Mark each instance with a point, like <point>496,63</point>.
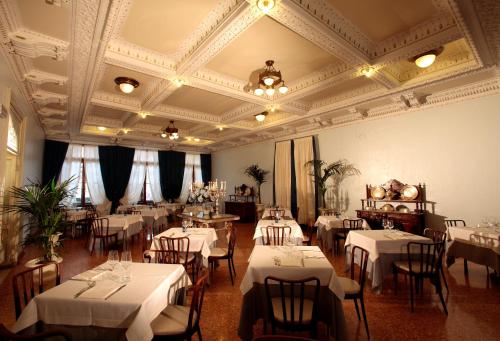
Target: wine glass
<point>113,258</point>
<point>126,259</point>
<point>390,224</point>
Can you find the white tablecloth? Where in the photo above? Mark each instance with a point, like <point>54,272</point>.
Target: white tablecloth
<point>267,212</point>
<point>200,239</point>
<point>379,244</point>
<point>262,264</point>
<point>125,208</point>
<point>134,307</point>
<point>130,224</point>
<point>75,215</point>
<point>296,234</point>
<point>465,232</point>
<point>329,222</point>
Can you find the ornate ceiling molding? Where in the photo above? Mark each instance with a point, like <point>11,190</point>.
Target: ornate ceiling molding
<point>113,101</point>
<point>102,121</point>
<point>241,112</point>
<point>52,123</point>
<point>47,112</point>
<point>42,98</point>
<point>40,77</point>
<point>31,44</point>
<point>177,113</point>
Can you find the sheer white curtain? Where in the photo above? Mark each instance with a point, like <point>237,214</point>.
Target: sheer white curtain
<point>153,171</point>
<point>193,162</point>
<point>137,177</point>
<point>283,174</point>
<point>303,152</point>
<point>94,177</point>
<point>72,167</point>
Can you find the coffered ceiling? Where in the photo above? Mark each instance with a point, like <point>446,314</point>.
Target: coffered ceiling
<point>198,62</point>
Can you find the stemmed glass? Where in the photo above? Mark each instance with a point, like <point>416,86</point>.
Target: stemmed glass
<point>126,263</point>
<point>113,258</point>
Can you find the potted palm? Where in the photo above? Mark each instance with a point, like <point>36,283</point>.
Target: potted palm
<point>258,175</point>
<point>40,205</point>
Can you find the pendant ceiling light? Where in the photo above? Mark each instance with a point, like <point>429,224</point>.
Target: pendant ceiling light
<point>426,59</point>
<point>270,80</point>
<point>171,132</point>
<point>261,117</point>
<point>127,85</point>
<point>265,5</point>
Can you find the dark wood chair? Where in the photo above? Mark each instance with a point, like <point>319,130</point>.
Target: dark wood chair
<point>31,282</point>
<point>328,211</point>
<point>56,334</point>
<point>275,235</point>
<point>308,235</point>
<point>347,225</point>
<point>454,222</point>
<point>276,211</point>
<point>289,308</point>
<point>176,251</point>
<point>100,230</point>
<point>179,322</point>
<point>424,261</point>
<point>135,212</point>
<point>218,253</point>
<point>438,237</point>
<point>354,289</point>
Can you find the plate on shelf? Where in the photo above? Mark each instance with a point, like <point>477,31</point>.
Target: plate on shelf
<point>402,209</point>
<point>387,208</point>
<point>409,192</point>
<point>377,192</point>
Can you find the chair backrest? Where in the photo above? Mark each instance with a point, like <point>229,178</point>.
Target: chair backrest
<point>100,227</point>
<point>435,235</point>
<point>484,240</point>
<point>276,211</point>
<point>352,224</point>
<point>454,222</point>
<point>6,334</point>
<point>231,243</point>
<point>292,293</point>
<point>425,259</point>
<point>363,262</point>
<point>328,211</point>
<point>176,250</point>
<point>197,302</point>
<point>91,208</point>
<point>135,212</point>
<point>90,215</point>
<point>177,291</point>
<point>31,282</point>
<point>275,235</point>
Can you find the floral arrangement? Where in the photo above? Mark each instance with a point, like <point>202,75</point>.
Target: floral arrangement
<point>199,194</point>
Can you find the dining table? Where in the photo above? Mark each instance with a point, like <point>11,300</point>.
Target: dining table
<point>328,226</point>
<point>296,234</point>
<point>384,247</point>
<point>267,212</point>
<point>126,225</point>
<point>101,304</point>
<point>290,263</point>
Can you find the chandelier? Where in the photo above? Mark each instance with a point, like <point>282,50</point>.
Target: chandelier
<point>269,80</point>
<point>171,132</point>
<point>126,84</point>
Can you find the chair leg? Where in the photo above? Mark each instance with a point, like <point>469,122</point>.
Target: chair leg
<point>466,268</point>
<point>362,301</point>
<point>395,276</point>
<point>357,309</point>
<point>93,247</point>
<point>444,279</point>
<point>411,293</point>
<point>230,272</point>
<point>439,290</point>
<point>198,331</point>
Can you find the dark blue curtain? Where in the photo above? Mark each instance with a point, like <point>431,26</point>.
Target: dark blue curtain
<point>116,164</point>
<point>171,165</point>
<point>206,167</point>
<point>316,201</point>
<point>54,153</point>
<point>293,180</point>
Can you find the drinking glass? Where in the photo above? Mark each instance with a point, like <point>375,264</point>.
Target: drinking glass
<point>126,259</point>
<point>390,224</point>
<point>113,258</point>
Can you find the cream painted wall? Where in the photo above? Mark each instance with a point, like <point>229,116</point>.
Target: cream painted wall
<point>453,149</point>
<point>33,151</point>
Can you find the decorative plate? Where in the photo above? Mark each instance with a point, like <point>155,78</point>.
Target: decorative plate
<point>402,209</point>
<point>387,208</point>
<point>377,192</point>
<point>409,192</point>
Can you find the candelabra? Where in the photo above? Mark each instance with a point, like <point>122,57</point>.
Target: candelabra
<point>217,191</point>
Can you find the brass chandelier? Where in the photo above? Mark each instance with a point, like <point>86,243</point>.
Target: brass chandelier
<point>269,80</point>
<point>171,132</point>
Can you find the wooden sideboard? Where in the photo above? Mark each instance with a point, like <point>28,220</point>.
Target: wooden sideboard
<point>413,222</point>
<point>244,209</point>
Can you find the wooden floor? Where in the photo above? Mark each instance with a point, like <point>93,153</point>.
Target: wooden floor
<point>473,302</point>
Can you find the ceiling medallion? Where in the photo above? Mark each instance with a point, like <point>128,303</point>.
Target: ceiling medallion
<point>171,132</point>
<point>368,71</point>
<point>265,5</point>
<point>261,117</point>
<point>269,80</point>
<point>126,84</point>
<point>426,59</point>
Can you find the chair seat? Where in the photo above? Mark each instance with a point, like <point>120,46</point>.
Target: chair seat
<point>173,320</point>
<point>278,311</point>
<point>405,266</point>
<point>350,286</point>
<point>218,252</point>
<point>191,258</point>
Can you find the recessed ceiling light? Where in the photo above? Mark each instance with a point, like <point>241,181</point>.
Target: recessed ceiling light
<point>143,114</point>
<point>196,139</point>
<point>261,117</point>
<point>125,131</point>
<point>265,5</point>
<point>221,128</point>
<point>179,82</point>
<point>126,84</point>
<point>101,128</point>
<point>367,71</point>
<point>426,59</point>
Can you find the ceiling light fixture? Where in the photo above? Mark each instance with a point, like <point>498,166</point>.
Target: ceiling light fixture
<point>426,59</point>
<point>101,128</point>
<point>261,117</point>
<point>367,71</point>
<point>171,132</point>
<point>179,82</point>
<point>269,80</point>
<point>126,84</point>
<point>265,5</point>
<point>196,139</point>
<point>143,114</point>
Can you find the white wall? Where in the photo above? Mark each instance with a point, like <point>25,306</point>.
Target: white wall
<point>33,151</point>
<point>453,149</point>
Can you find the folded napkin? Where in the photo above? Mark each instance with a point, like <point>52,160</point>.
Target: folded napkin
<point>101,290</point>
<point>89,275</point>
<point>292,261</point>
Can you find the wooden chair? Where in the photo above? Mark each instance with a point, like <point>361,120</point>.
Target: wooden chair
<point>454,222</point>
<point>7,335</point>
<point>100,230</point>
<point>218,253</point>
<point>275,235</point>
<point>288,306</point>
<point>135,212</point>
<point>176,251</point>
<point>31,282</point>
<point>328,211</point>
<point>484,241</point>
<point>424,260</point>
<point>309,233</point>
<point>438,237</point>
<point>354,289</point>
<point>347,225</point>
<point>274,212</point>
<point>179,322</point>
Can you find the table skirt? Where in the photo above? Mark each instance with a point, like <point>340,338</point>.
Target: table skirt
<point>478,254</point>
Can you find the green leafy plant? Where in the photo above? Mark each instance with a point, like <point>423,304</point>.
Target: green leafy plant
<point>259,175</point>
<point>40,204</point>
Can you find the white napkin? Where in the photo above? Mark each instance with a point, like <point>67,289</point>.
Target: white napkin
<point>292,261</point>
<point>89,275</point>
<point>101,290</point>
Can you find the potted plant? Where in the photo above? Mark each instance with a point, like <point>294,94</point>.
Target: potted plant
<point>258,175</point>
<point>40,204</point>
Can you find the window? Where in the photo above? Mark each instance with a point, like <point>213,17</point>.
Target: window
<point>12,141</point>
<point>82,189</point>
<point>147,193</point>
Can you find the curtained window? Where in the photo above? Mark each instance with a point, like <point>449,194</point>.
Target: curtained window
<point>144,182</point>
<point>192,174</point>
<point>303,152</point>
<point>283,174</point>
<point>171,164</point>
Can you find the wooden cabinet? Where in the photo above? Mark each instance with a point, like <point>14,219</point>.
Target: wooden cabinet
<point>410,217</point>
<point>244,209</point>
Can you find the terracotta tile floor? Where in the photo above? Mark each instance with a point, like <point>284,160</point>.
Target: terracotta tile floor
<point>473,302</point>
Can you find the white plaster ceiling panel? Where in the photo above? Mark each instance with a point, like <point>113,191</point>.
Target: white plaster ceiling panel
<point>380,19</point>
<point>201,100</point>
<point>40,16</point>
<point>162,25</point>
<point>108,113</point>
<point>111,72</point>
<point>337,89</point>
<point>51,65</point>
<point>294,56</point>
